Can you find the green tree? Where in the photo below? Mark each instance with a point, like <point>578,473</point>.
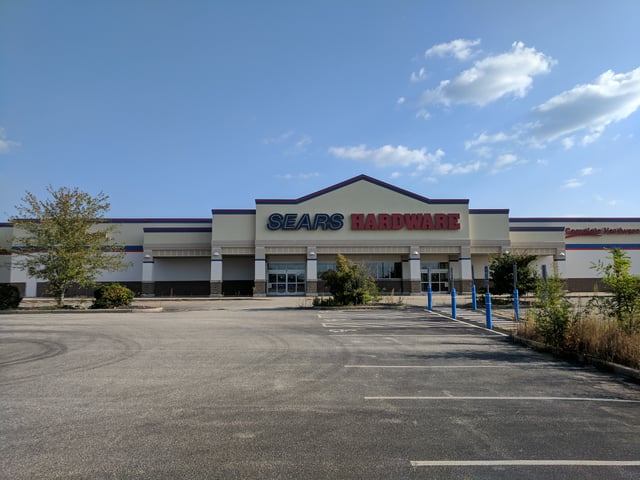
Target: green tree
<point>350,283</point>
<point>501,270</point>
<point>65,239</point>
<point>552,311</point>
<point>624,304</point>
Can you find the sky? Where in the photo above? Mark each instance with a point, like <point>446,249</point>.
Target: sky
<point>174,108</point>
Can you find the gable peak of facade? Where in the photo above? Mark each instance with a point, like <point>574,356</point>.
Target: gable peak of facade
<point>354,180</point>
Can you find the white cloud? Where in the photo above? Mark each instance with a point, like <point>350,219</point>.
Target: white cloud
<point>6,145</point>
<point>506,162</point>
<point>401,100</point>
<point>573,183</point>
<point>568,142</point>
<point>298,176</point>
<point>460,49</point>
<point>609,202</point>
<point>389,156</point>
<point>416,77</point>
<point>588,109</point>
<point>419,160</point>
<point>506,159</point>
<point>424,114</point>
<point>484,139</point>
<point>283,137</point>
<point>303,142</point>
<point>492,78</point>
<point>587,171</point>
<point>291,141</point>
<point>468,168</point>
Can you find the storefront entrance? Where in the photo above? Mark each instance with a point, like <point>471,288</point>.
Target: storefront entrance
<point>286,279</point>
<point>439,277</point>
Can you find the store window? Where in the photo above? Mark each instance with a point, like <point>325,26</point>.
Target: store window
<point>378,270</point>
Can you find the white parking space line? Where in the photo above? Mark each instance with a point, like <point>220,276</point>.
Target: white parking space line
<point>469,324</point>
<point>517,399</point>
<point>534,463</point>
<point>494,365</point>
<point>334,324</point>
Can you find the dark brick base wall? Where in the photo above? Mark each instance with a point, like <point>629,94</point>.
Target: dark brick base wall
<point>312,288</point>
<point>42,289</point>
<point>387,287</point>
<point>261,288</point>
<point>182,289</point>
<point>237,288</point>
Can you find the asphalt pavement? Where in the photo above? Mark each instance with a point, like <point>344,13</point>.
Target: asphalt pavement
<point>261,390</point>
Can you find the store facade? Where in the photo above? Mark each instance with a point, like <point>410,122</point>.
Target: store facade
<point>404,239</point>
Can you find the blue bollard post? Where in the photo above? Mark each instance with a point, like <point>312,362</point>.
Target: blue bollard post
<point>474,301</point>
<point>488,309</point>
<point>453,303</point>
<point>516,304</point>
<point>429,297</point>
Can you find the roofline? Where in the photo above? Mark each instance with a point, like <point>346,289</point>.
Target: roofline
<point>574,219</point>
<point>232,211</point>
<point>366,178</point>
<point>489,211</point>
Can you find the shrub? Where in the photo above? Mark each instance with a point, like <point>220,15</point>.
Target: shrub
<point>112,296</point>
<point>624,304</point>
<point>350,283</point>
<point>552,312</point>
<point>501,269</point>
<point>9,296</point>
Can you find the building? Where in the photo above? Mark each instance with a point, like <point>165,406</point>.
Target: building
<point>283,245</point>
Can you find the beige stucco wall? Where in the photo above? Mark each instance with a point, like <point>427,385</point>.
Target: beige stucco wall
<point>361,197</point>
<point>233,228</point>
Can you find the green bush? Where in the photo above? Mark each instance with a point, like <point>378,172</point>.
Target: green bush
<point>501,269</point>
<point>624,302</point>
<point>350,283</point>
<point>9,296</point>
<point>112,296</point>
<point>552,311</point>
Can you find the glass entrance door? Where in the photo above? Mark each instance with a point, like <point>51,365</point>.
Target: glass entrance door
<point>286,279</point>
<point>439,280</point>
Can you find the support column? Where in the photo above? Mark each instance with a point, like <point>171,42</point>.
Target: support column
<point>414,271</point>
<point>312,272</point>
<point>148,286</point>
<point>466,279</point>
<point>260,279</point>
<point>215,278</point>
<point>18,277</point>
<point>560,264</point>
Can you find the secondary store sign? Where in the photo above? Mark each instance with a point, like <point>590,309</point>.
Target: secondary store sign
<point>364,221</point>
<point>598,232</point>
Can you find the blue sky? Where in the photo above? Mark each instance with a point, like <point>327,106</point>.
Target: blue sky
<point>173,108</point>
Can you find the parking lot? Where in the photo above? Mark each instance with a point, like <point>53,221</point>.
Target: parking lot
<point>254,390</point>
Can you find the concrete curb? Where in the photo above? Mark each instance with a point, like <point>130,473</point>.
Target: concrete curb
<point>37,311</point>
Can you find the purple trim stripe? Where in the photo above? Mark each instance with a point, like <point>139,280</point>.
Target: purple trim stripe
<point>177,229</point>
<point>575,219</point>
<point>602,246</point>
<point>536,229</point>
<point>158,220</point>
<point>489,211</point>
<point>232,212</point>
<point>357,179</point>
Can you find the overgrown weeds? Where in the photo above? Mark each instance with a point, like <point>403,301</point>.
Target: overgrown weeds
<point>591,336</point>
